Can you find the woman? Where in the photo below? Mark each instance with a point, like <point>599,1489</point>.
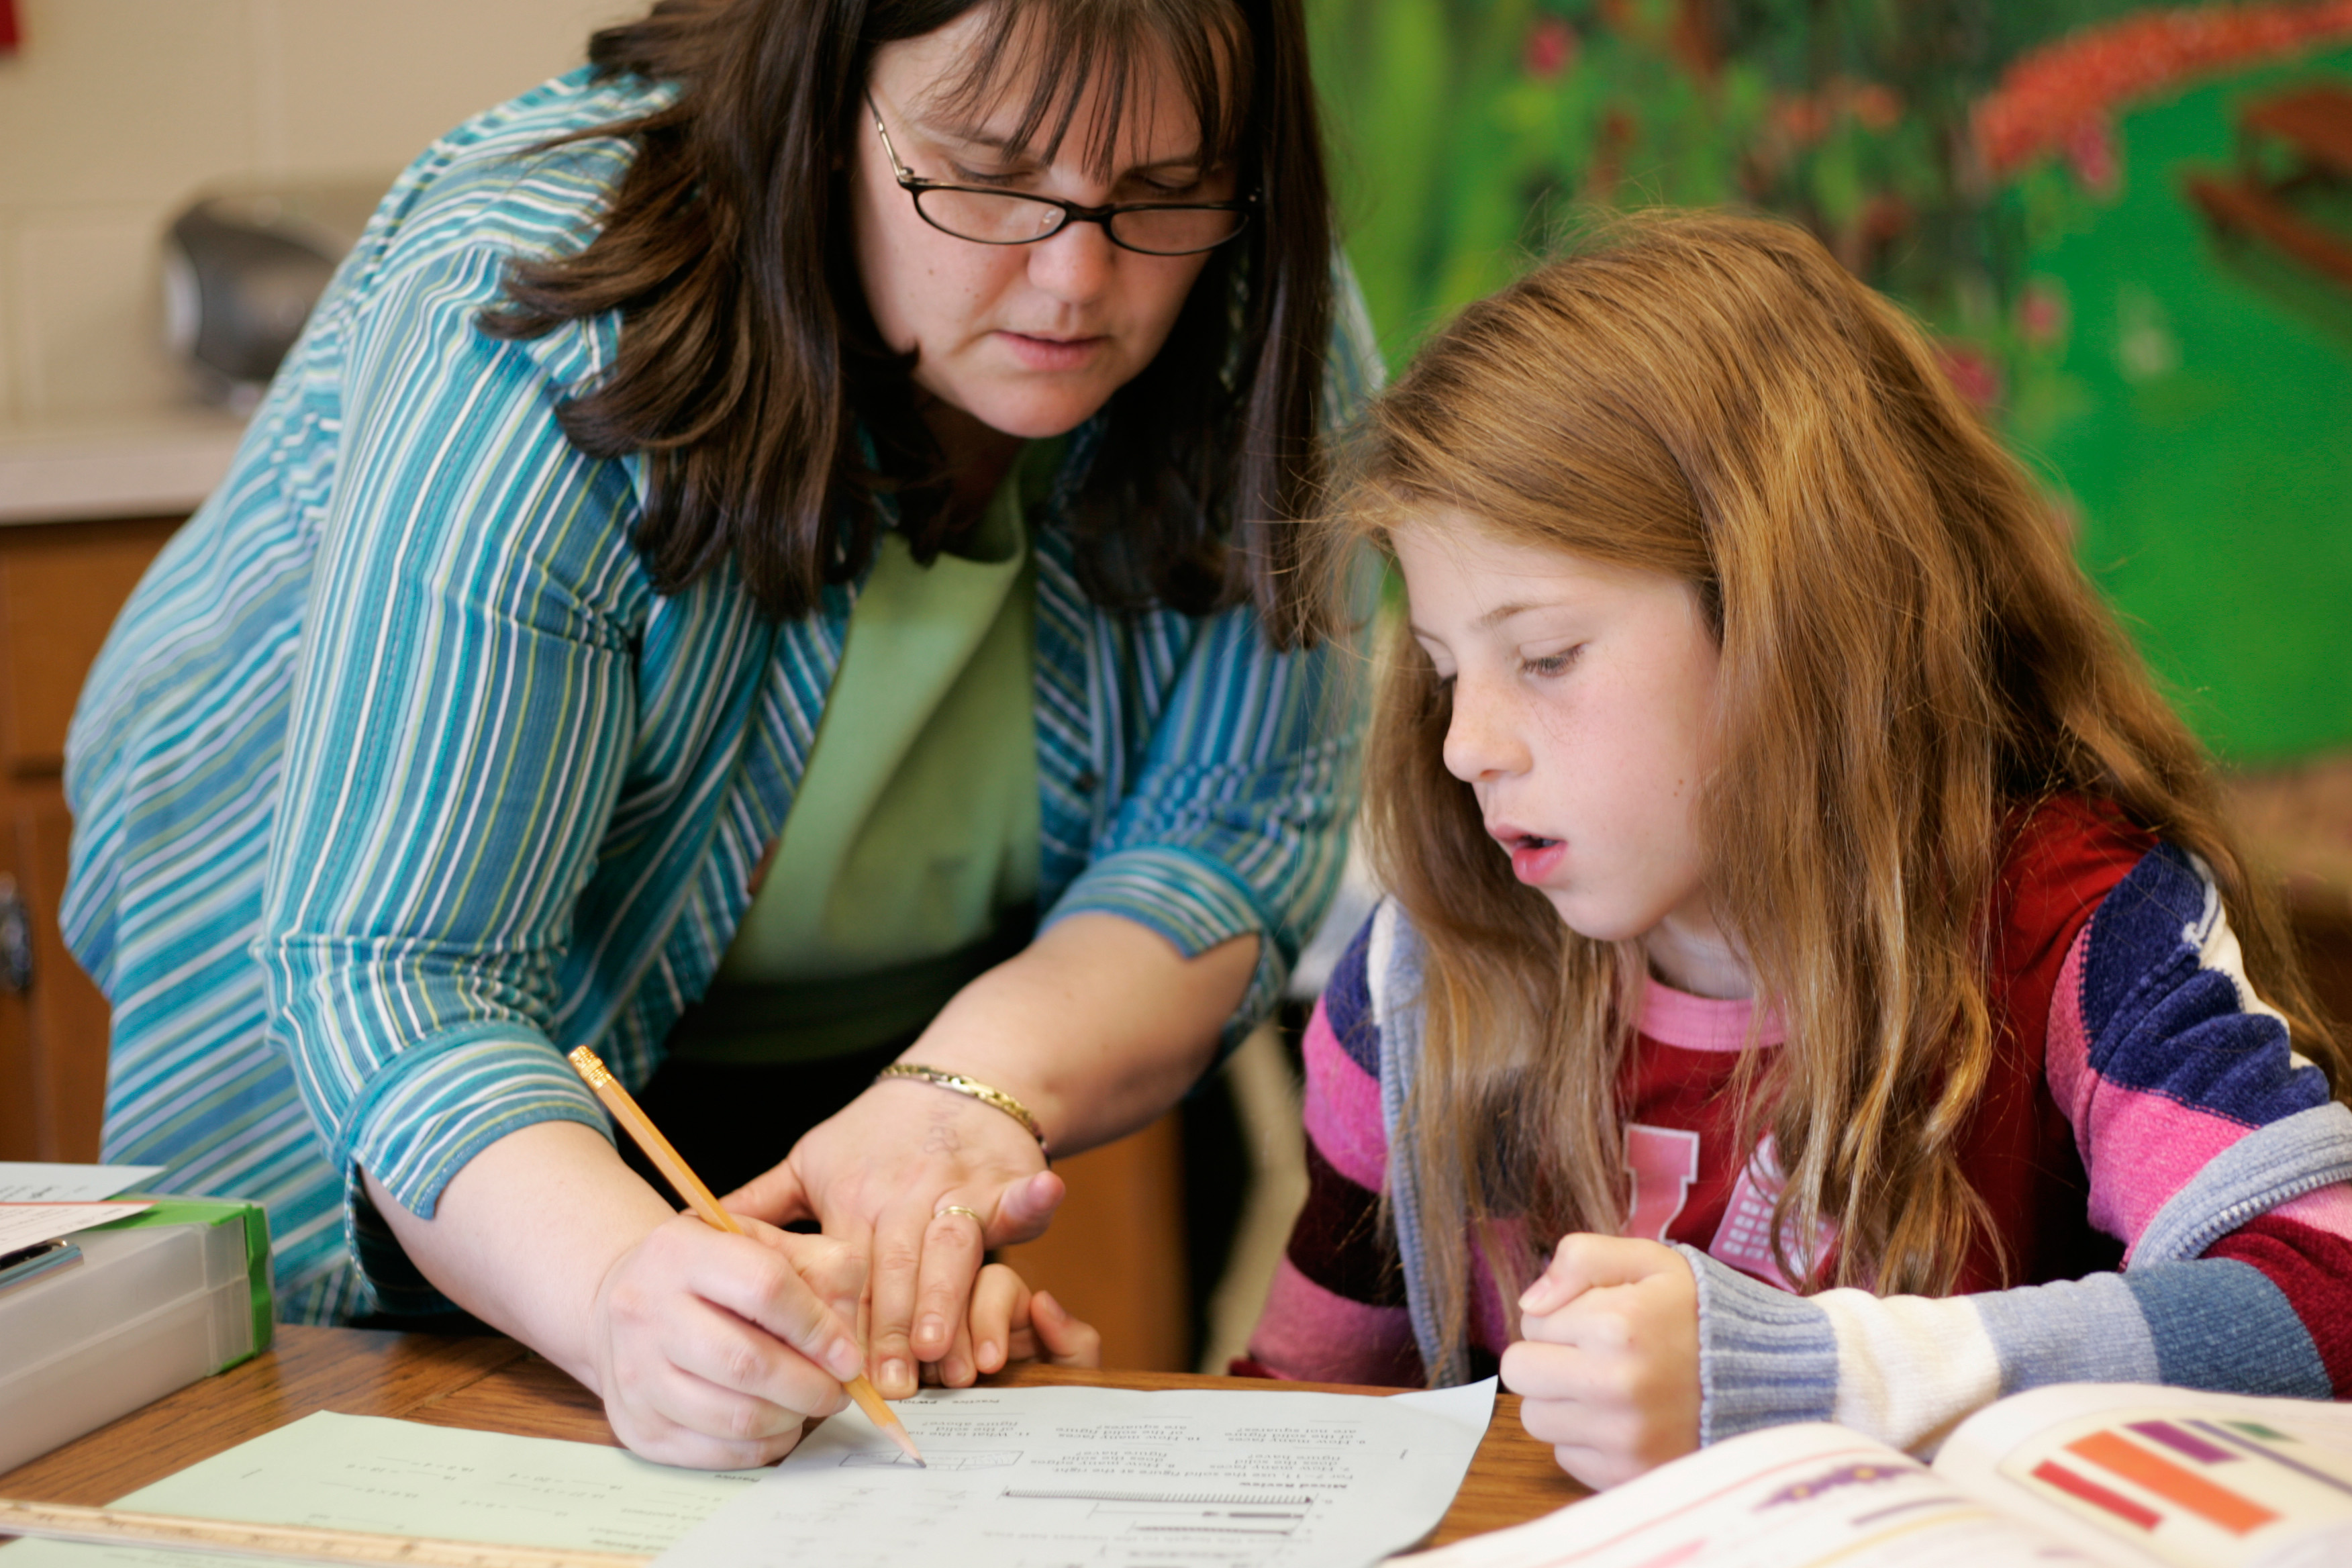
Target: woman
<point>502,700</point>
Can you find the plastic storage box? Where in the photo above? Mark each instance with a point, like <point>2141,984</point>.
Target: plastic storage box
<point>159,1300</point>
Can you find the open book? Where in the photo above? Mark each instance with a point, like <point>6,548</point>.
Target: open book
<point>2119,1474</point>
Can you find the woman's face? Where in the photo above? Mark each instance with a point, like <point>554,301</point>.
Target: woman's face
<point>1030,340</point>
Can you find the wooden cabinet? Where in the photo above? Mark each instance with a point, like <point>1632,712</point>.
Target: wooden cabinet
<point>61,586</point>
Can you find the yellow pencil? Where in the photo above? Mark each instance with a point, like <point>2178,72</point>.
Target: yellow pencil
<point>697,1197</point>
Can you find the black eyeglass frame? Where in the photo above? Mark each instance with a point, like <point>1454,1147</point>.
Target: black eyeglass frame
<point>915,185</point>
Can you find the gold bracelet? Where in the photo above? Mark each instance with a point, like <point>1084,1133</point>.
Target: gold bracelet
<point>957,1083</point>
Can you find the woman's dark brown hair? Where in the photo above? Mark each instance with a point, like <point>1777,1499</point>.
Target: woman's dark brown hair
<point>769,412</point>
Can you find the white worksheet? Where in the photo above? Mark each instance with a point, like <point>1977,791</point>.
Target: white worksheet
<point>29,1225</point>
<point>1050,1477</point>
<point>39,1182</point>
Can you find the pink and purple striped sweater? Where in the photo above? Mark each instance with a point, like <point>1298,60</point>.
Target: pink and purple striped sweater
<point>2173,1184</point>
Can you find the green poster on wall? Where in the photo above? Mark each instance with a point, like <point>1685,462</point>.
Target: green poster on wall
<point>2130,226</point>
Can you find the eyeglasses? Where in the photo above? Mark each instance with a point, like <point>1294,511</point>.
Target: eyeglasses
<point>1010,217</point>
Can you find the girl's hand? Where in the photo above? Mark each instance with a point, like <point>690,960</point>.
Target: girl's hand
<point>1610,1365</point>
<point>710,1349</point>
<point>1011,1322</point>
<point>881,1175</point>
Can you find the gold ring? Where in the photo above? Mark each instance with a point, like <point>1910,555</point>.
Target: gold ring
<point>946,1209</point>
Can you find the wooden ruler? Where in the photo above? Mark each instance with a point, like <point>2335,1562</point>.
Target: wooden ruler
<point>288,1543</point>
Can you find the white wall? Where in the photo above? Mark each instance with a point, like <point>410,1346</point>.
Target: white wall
<point>114,111</point>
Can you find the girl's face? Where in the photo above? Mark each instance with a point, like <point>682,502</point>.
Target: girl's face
<point>1583,697</point>
<point>1030,340</point>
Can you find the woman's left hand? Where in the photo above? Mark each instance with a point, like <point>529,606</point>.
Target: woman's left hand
<point>1609,1369</point>
<point>882,1174</point>
<point>1097,1028</point>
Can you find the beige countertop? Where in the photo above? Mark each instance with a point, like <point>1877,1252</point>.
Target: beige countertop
<point>150,464</point>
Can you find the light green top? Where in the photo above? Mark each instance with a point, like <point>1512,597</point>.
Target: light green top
<point>914,836</point>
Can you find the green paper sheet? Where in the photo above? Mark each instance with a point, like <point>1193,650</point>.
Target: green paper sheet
<point>363,1472</point>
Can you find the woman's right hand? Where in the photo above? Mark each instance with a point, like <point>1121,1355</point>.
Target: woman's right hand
<point>711,1349</point>
<point>707,1349</point>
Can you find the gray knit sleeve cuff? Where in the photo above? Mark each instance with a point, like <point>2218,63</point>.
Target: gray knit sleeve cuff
<point>1765,1357</point>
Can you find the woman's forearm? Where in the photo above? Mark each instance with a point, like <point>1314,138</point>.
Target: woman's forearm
<point>1098,1028</point>
<point>523,1235</point>
<point>706,1348</point>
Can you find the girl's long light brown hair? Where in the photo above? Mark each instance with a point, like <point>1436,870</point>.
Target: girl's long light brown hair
<point>1909,654</point>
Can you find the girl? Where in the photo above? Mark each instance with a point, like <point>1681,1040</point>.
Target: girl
<point>1804,912</point>
<point>755,523</point>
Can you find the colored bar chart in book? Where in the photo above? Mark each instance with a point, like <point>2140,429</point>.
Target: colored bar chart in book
<point>2193,1489</point>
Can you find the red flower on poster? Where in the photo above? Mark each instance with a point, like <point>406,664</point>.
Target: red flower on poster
<point>1551,49</point>
<point>1972,372</point>
<point>2041,315</point>
<point>2062,98</point>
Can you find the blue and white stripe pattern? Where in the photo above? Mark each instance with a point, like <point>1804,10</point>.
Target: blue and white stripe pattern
<point>396,779</point>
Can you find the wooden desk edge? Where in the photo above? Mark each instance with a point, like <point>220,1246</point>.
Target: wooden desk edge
<point>497,1386</point>
<point>359,1372</point>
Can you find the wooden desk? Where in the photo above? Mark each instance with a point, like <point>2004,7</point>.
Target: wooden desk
<point>496,1385</point>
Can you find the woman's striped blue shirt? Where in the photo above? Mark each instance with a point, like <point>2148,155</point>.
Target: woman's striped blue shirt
<point>397,779</point>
